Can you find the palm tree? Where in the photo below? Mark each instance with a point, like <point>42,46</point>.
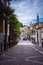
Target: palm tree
<point>8,12</point>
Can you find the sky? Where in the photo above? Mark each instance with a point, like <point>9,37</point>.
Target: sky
<point>26,10</point>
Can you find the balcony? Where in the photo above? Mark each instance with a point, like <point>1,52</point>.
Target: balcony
<point>38,26</point>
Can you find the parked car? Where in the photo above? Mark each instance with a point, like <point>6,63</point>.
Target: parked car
<point>24,38</point>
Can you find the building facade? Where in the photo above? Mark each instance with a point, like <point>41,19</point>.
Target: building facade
<point>24,31</point>
<point>4,20</point>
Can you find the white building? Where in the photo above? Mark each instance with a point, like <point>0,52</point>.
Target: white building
<point>24,31</point>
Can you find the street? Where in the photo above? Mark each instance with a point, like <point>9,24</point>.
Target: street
<point>24,53</point>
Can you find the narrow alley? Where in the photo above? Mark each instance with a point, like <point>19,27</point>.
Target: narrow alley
<point>24,53</point>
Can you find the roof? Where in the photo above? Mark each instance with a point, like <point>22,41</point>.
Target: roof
<point>41,23</point>
<point>37,23</point>
<point>32,25</point>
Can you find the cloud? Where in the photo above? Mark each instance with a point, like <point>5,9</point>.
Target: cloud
<point>27,10</point>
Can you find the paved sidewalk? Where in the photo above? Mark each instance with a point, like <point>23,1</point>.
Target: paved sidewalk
<point>24,53</point>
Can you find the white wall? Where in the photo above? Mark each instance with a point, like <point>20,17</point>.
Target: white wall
<point>36,36</point>
<point>42,33</point>
<point>39,37</point>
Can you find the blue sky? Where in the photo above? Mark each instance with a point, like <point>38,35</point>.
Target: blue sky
<point>26,10</point>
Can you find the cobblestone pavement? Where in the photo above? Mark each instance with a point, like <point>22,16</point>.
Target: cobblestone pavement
<point>24,53</point>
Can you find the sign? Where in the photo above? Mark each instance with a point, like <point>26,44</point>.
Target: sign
<point>1,37</point>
